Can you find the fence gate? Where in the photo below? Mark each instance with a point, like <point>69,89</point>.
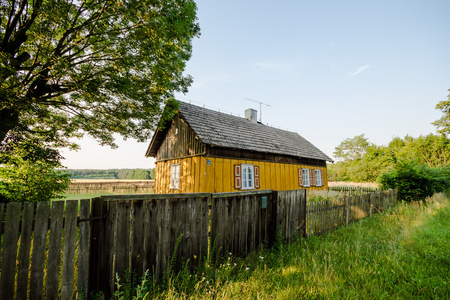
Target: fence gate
<point>154,232</point>
<point>291,213</point>
<point>240,222</point>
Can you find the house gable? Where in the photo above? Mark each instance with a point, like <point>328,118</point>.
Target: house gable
<point>179,141</point>
<point>211,133</point>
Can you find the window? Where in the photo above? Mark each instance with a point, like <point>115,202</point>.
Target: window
<point>246,177</point>
<point>318,177</point>
<point>175,176</point>
<point>306,177</point>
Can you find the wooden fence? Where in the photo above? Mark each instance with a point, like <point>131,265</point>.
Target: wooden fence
<point>240,222</point>
<point>63,250</point>
<point>291,213</point>
<point>140,232</point>
<point>119,187</point>
<point>353,190</point>
<point>42,244</point>
<point>324,216</point>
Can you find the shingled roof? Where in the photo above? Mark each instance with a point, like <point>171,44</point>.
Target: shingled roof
<point>224,130</point>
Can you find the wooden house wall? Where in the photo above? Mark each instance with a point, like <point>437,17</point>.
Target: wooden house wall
<point>180,141</point>
<point>197,176</point>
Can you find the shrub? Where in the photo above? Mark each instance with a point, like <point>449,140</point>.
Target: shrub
<point>27,181</point>
<point>415,182</point>
<point>30,170</point>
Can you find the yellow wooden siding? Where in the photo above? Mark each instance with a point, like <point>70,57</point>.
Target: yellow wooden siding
<point>197,176</point>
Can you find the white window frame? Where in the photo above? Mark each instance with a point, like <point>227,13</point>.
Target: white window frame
<point>318,177</point>
<point>306,179</point>
<point>175,176</point>
<point>248,176</point>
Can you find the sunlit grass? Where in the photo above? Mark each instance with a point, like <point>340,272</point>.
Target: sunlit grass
<point>401,254</point>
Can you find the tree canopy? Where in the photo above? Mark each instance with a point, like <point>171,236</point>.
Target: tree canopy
<point>443,124</point>
<point>367,166</point>
<point>352,148</point>
<point>91,66</point>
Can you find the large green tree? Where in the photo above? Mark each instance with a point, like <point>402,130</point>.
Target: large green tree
<point>362,164</point>
<point>91,66</point>
<point>443,124</point>
<point>352,149</point>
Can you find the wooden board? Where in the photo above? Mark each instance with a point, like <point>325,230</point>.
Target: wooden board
<point>70,233</point>
<point>38,253</point>
<point>83,250</point>
<point>54,248</point>
<point>24,251</point>
<point>9,250</point>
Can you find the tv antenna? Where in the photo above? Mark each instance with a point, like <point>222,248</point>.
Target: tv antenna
<point>260,107</point>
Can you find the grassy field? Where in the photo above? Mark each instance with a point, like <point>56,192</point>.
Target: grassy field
<point>401,254</point>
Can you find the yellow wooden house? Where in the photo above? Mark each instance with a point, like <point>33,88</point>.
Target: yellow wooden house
<point>205,151</point>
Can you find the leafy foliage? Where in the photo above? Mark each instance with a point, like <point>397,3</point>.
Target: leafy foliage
<point>352,149</point>
<point>30,181</point>
<point>431,150</point>
<point>29,171</point>
<point>416,182</point>
<point>443,124</point>
<point>100,67</point>
<point>411,180</point>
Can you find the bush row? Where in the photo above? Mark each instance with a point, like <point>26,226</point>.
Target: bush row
<point>415,181</point>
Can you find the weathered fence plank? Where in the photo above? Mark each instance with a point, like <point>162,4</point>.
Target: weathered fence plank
<point>9,251</point>
<point>70,233</point>
<point>38,254</point>
<point>83,250</point>
<point>24,251</point>
<point>106,254</point>
<point>95,244</point>
<point>122,259</point>
<point>137,238</point>
<point>154,229</point>
<point>54,249</point>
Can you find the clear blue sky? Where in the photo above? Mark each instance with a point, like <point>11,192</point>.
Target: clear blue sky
<point>329,69</point>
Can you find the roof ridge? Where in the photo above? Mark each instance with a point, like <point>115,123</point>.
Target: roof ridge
<point>224,130</point>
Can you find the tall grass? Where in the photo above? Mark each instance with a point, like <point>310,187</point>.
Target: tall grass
<point>403,253</point>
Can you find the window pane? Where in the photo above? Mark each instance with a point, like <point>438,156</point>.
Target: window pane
<point>305,177</point>
<point>247,176</point>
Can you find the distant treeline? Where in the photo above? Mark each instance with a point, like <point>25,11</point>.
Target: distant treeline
<point>144,174</point>
<point>358,160</point>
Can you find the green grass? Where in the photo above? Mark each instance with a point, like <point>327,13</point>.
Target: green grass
<point>401,254</point>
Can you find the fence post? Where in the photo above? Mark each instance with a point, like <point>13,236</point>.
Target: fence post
<point>303,216</point>
<point>274,216</point>
<point>95,245</point>
<point>347,209</point>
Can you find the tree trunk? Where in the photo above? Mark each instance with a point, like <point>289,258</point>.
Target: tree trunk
<point>9,118</point>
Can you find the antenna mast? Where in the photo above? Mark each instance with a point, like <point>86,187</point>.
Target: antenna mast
<point>260,107</point>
